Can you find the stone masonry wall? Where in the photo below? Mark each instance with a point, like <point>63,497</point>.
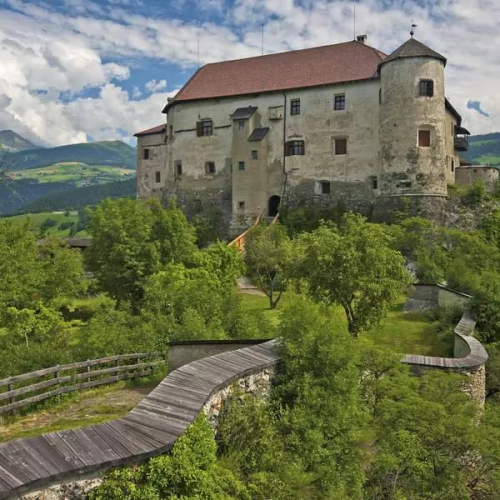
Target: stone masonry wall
<point>258,384</point>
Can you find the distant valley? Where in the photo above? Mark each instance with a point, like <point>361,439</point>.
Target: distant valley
<point>484,149</point>
<point>65,177</point>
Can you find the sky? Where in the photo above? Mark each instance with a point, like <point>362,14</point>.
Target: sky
<point>81,70</point>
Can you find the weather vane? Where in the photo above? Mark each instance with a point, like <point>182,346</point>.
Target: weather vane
<point>413,26</point>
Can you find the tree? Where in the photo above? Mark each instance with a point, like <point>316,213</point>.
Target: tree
<point>20,266</point>
<point>353,266</point>
<point>318,392</point>
<point>132,240</point>
<point>267,254</point>
<point>429,442</point>
<point>190,470</point>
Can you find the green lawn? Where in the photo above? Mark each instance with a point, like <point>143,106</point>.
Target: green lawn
<point>94,406</point>
<point>489,160</point>
<point>80,174</point>
<point>38,219</point>
<point>404,333</point>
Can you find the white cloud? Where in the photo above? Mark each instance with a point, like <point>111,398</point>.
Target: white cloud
<point>57,55</point>
<point>155,86</point>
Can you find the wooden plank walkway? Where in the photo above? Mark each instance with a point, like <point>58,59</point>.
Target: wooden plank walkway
<point>150,429</point>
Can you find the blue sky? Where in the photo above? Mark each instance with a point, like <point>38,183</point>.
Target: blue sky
<point>78,70</point>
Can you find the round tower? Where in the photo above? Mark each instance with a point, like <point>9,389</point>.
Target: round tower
<point>412,132</point>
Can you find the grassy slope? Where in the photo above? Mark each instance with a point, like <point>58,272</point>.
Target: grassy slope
<point>94,406</point>
<point>77,173</point>
<point>38,219</point>
<point>404,333</point>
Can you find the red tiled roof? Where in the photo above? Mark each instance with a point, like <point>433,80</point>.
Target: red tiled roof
<point>343,62</point>
<point>155,130</point>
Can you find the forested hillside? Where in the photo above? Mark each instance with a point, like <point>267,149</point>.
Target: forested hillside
<point>75,198</point>
<point>115,153</point>
<point>484,149</point>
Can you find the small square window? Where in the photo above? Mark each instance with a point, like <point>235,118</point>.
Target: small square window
<point>241,165</point>
<point>325,187</point>
<point>339,102</point>
<point>426,88</point>
<point>424,138</point>
<point>178,167</point>
<point>242,124</point>
<point>210,167</point>
<point>254,154</point>
<point>295,148</point>
<point>157,177</point>
<point>340,146</point>
<point>295,107</point>
<point>241,205</point>
<point>205,127</point>
<point>146,153</point>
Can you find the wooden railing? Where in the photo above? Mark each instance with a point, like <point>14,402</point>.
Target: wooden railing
<point>239,241</point>
<point>72,377</point>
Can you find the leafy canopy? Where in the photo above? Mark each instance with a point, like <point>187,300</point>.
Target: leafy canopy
<point>353,266</point>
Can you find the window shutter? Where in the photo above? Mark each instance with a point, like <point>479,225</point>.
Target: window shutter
<point>303,147</point>
<point>288,148</point>
<point>431,88</point>
<point>199,129</point>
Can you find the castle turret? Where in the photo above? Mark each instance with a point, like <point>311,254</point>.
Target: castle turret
<point>412,130</point>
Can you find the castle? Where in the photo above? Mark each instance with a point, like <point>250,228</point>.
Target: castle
<point>314,127</point>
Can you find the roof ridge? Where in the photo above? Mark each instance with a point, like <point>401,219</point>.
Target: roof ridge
<point>286,52</point>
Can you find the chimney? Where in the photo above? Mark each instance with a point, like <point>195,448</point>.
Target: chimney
<point>361,38</point>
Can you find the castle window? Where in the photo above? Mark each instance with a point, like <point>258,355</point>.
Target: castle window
<point>325,187</point>
<point>242,124</point>
<point>146,153</point>
<point>339,102</point>
<point>210,167</point>
<point>374,183</point>
<point>424,138</point>
<point>241,165</point>
<point>157,177</point>
<point>452,165</point>
<point>171,130</point>
<point>295,148</point>
<point>295,107</point>
<point>340,146</point>
<point>241,205</point>
<point>254,154</point>
<point>205,127</point>
<point>178,167</point>
<point>406,184</point>
<point>426,88</point>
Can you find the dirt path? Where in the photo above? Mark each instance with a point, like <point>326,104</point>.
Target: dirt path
<point>86,408</point>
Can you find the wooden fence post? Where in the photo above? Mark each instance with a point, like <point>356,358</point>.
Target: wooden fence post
<point>56,375</point>
<point>12,399</point>
<point>88,370</point>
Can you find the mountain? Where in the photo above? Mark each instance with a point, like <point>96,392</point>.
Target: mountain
<point>110,153</point>
<point>12,142</point>
<point>484,149</point>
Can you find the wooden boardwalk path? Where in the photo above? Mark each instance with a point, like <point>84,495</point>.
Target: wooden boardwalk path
<point>150,429</point>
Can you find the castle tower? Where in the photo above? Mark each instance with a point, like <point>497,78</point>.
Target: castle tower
<point>413,169</point>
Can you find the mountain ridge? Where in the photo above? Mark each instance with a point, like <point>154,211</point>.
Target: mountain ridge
<point>11,141</point>
<point>111,153</point>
